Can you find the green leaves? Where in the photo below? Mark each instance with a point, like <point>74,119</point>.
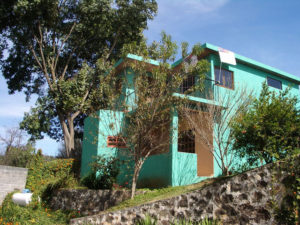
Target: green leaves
<point>152,96</point>
<point>104,173</point>
<point>39,119</point>
<point>63,50</point>
<point>270,129</point>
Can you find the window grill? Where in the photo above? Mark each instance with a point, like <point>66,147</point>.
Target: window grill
<point>186,142</point>
<point>187,83</point>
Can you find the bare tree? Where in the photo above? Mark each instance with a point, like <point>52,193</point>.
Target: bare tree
<point>211,122</point>
<point>147,109</point>
<point>13,138</point>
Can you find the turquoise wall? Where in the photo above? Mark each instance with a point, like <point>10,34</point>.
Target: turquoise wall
<point>156,171</point>
<point>97,128</point>
<point>90,143</point>
<point>173,168</point>
<point>252,78</point>
<point>184,165</point>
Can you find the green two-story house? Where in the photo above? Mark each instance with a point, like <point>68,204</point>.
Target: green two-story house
<point>193,162</point>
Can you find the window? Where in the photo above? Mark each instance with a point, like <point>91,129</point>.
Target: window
<point>186,142</point>
<point>187,83</point>
<point>274,83</point>
<point>224,78</point>
<point>116,142</point>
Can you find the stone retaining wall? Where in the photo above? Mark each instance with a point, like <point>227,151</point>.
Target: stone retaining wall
<point>242,199</point>
<point>11,179</point>
<point>87,201</point>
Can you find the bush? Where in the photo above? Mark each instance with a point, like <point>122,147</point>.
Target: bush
<point>104,173</point>
<point>43,175</point>
<point>19,157</point>
<point>35,213</point>
<point>288,210</point>
<point>270,129</point>
<point>43,178</point>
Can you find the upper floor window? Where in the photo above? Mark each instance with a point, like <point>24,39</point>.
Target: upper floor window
<point>274,83</point>
<point>224,78</point>
<point>187,83</point>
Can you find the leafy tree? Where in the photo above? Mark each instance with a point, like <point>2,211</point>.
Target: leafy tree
<point>147,118</point>
<point>61,51</point>
<point>270,129</point>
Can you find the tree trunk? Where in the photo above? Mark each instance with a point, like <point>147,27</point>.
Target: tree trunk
<point>68,132</point>
<point>69,145</point>
<point>225,171</point>
<point>137,169</point>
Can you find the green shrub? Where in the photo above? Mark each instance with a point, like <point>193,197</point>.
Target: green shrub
<point>270,129</point>
<point>43,178</point>
<point>43,174</point>
<point>11,213</point>
<point>104,173</point>
<point>19,157</point>
<point>288,210</point>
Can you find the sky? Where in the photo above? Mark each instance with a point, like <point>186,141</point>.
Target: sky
<point>267,31</point>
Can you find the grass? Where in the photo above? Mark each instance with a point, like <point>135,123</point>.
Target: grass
<point>35,213</point>
<point>160,194</point>
<point>44,177</point>
<point>39,213</point>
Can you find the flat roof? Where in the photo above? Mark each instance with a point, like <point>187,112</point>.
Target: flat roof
<point>256,64</point>
<point>215,49</point>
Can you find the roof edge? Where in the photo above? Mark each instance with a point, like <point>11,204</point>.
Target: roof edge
<point>256,63</point>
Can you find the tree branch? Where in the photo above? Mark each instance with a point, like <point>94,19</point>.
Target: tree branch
<point>81,105</point>
<point>113,45</point>
<point>40,43</point>
<point>62,44</point>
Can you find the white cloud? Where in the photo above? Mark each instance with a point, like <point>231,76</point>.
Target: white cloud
<point>14,110</point>
<point>196,6</point>
<point>180,17</point>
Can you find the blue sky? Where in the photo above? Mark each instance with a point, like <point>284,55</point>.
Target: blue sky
<point>265,30</point>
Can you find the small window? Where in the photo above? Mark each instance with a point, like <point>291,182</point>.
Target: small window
<point>274,83</point>
<point>224,78</point>
<point>186,142</point>
<point>187,83</point>
<point>116,142</point>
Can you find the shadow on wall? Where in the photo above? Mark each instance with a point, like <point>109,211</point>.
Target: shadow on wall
<point>186,172</point>
<point>155,182</point>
